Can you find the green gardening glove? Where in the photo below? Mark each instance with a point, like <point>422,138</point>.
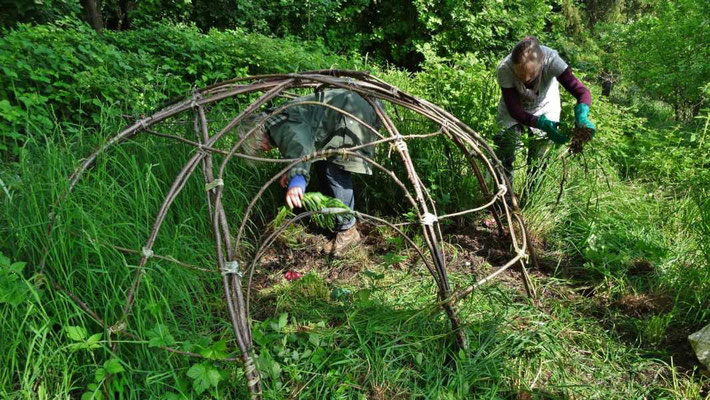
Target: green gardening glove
<point>551,128</point>
<point>581,112</point>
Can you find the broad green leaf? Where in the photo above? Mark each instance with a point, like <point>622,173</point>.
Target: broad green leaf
<point>198,373</point>
<point>17,267</point>
<point>217,351</point>
<point>113,366</point>
<point>93,340</point>
<point>93,393</point>
<point>314,339</point>
<point>100,374</point>
<point>203,376</point>
<point>76,333</point>
<point>160,336</point>
<point>462,354</point>
<point>283,320</point>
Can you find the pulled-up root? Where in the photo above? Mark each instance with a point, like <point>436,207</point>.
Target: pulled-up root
<point>580,136</point>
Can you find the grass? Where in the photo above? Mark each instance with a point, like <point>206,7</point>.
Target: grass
<point>371,336</point>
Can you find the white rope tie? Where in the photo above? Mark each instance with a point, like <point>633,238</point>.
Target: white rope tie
<point>117,328</point>
<point>147,253</point>
<point>249,369</point>
<point>428,219</point>
<point>400,143</point>
<point>445,126</point>
<point>253,382</point>
<point>231,267</point>
<point>502,190</point>
<point>523,255</point>
<point>214,184</point>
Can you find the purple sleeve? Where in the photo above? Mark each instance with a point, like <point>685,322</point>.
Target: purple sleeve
<point>575,87</point>
<point>515,107</point>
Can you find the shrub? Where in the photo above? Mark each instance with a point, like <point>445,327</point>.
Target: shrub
<point>62,75</point>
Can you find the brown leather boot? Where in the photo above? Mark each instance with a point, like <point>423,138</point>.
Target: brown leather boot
<point>343,241</point>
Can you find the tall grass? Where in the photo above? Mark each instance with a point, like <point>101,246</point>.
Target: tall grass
<point>115,204</point>
<point>640,235</point>
<point>378,338</point>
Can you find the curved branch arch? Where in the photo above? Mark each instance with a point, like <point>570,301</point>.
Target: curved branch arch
<point>227,248</point>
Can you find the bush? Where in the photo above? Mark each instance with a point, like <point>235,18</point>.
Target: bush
<point>63,75</point>
<point>665,54</point>
<point>489,28</point>
<point>58,72</point>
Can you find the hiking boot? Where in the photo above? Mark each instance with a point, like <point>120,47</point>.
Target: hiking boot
<point>343,240</point>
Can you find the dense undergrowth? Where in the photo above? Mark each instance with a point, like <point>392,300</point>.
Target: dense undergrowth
<point>632,225</point>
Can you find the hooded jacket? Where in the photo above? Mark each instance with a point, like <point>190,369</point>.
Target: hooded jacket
<point>304,129</point>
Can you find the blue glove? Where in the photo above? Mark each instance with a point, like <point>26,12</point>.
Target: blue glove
<point>581,112</point>
<point>297,181</point>
<point>551,128</point>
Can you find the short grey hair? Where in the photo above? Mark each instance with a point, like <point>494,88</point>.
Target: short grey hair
<point>527,50</point>
<point>252,143</point>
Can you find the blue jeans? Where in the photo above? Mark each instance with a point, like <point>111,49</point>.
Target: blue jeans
<point>338,183</point>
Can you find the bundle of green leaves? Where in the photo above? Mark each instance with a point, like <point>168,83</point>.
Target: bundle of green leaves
<point>313,201</point>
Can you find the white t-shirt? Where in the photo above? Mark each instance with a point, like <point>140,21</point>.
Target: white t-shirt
<point>547,99</point>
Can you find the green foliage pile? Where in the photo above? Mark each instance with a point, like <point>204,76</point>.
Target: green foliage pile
<point>313,201</point>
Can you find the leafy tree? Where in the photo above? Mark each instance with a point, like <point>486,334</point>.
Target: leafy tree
<point>666,55</point>
<point>488,27</point>
<point>24,11</point>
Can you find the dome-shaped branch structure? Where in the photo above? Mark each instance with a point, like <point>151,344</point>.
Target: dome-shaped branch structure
<point>236,275</point>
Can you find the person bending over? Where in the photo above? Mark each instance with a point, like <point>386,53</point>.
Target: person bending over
<point>303,129</point>
<point>530,101</point>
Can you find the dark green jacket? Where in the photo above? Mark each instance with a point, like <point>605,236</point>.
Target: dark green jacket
<point>305,129</point>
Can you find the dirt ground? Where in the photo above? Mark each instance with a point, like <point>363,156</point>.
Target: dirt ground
<point>474,250</point>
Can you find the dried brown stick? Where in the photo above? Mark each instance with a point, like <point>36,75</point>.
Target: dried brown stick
<point>165,258</point>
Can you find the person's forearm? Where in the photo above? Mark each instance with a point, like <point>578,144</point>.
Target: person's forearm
<point>575,87</point>
<point>515,107</point>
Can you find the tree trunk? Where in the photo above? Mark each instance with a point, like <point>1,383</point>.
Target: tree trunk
<point>92,13</point>
<point>118,18</point>
<point>607,85</point>
<point>125,6</point>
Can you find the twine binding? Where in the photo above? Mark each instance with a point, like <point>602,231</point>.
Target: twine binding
<point>146,252</point>
<point>428,219</point>
<point>214,184</point>
<point>231,268</point>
